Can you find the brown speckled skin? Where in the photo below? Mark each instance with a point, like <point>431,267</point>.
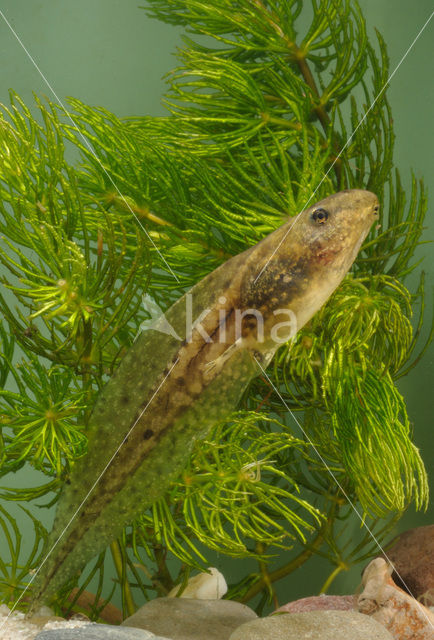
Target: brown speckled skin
<point>311,260</point>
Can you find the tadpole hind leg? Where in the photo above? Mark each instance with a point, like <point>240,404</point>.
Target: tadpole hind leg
<point>217,364</point>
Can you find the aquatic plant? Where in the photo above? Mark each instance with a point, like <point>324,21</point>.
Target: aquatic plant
<point>264,99</point>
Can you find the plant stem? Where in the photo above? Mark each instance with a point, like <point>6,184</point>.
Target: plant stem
<point>163,576</point>
<point>301,61</point>
<point>142,212</point>
<point>156,584</point>
<point>299,55</point>
<point>331,577</point>
<point>85,360</point>
<point>260,548</point>
<point>267,117</point>
<point>319,109</point>
<point>277,574</point>
<point>119,565</point>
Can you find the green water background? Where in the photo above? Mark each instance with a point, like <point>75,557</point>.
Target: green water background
<point>109,53</point>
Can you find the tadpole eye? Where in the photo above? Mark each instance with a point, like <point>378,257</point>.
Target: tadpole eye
<point>320,216</point>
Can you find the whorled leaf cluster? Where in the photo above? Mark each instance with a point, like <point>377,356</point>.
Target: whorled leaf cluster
<point>265,118</point>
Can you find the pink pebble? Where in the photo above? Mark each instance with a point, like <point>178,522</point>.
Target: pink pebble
<point>313,603</point>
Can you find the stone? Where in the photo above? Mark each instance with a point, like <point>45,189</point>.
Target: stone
<point>14,625</point>
<point>44,612</point>
<point>412,554</point>
<point>41,621</point>
<point>188,619</point>
<point>98,632</point>
<point>313,625</point>
<point>322,602</point>
<point>204,586</point>
<point>42,616</point>
<point>384,601</point>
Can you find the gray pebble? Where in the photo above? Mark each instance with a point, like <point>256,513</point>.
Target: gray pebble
<point>313,625</point>
<point>190,619</point>
<point>98,632</point>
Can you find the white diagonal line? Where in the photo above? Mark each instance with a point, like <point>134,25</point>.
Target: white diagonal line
<point>361,121</point>
<point>263,371</point>
<point>86,142</point>
<point>348,499</point>
<point>88,494</point>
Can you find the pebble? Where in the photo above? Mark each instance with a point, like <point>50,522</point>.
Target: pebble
<point>412,554</point>
<point>383,611</point>
<point>98,632</point>
<point>313,625</point>
<point>322,602</point>
<point>187,619</point>
<point>402,615</point>
<point>17,627</point>
<point>204,586</point>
